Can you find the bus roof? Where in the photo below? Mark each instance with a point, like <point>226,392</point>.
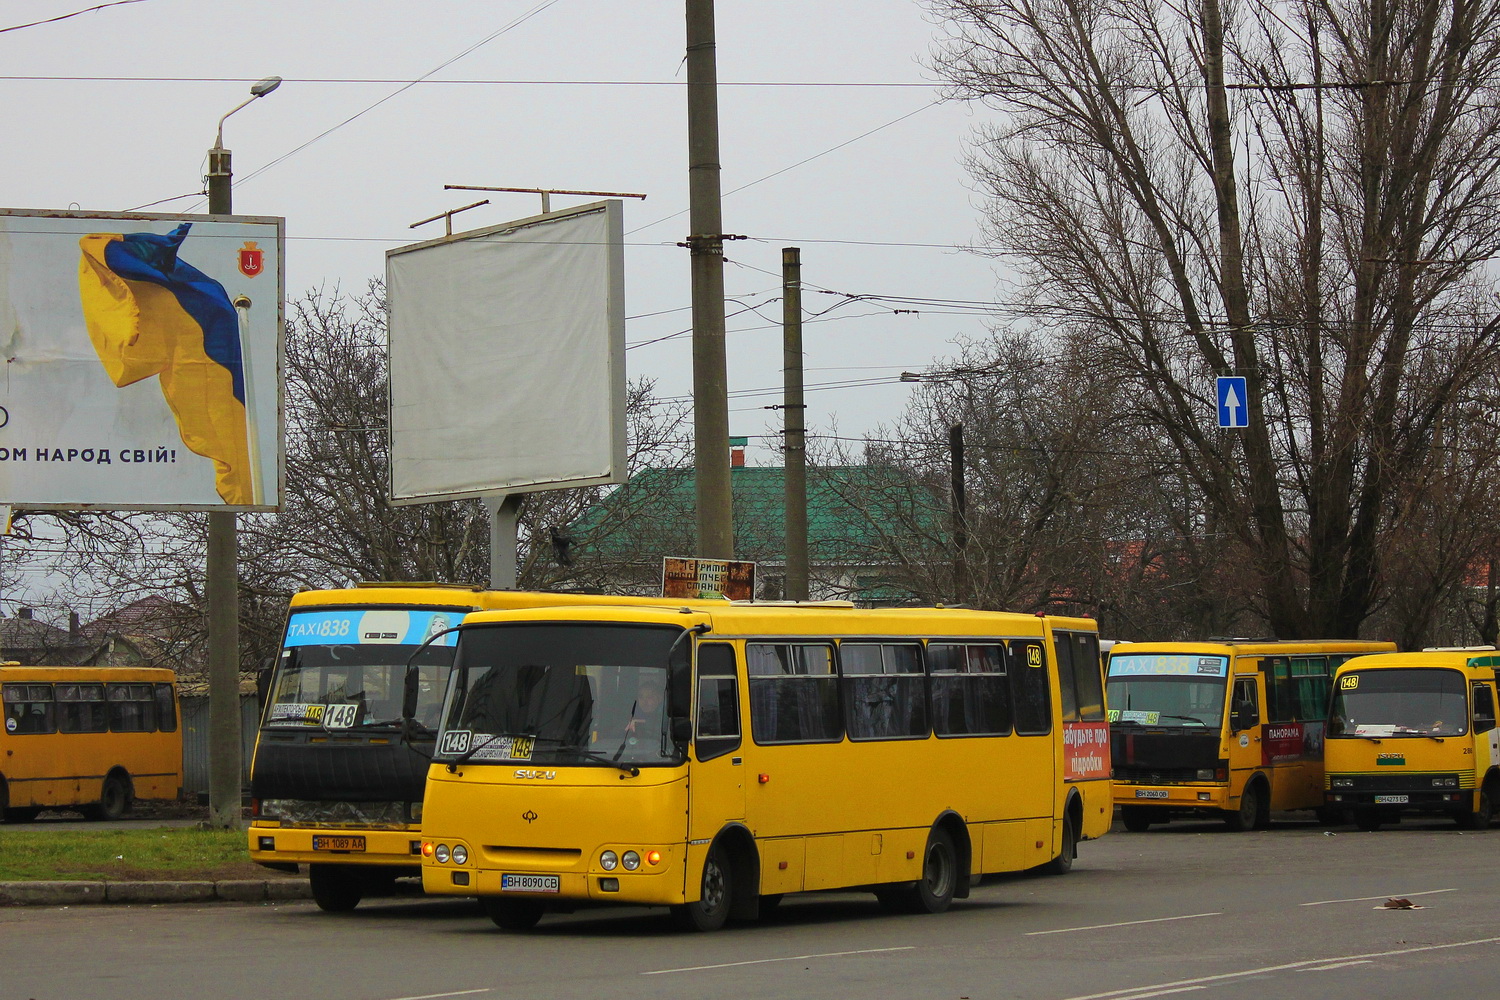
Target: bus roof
<point>1485,661</point>
<point>1257,647</point>
<point>15,673</point>
<point>796,619</point>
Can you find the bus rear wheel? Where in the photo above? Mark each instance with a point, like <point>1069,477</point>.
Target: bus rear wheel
<point>933,892</point>
<point>334,891</point>
<point>715,895</point>
<point>1063,863</point>
<point>114,799</point>
<point>512,914</point>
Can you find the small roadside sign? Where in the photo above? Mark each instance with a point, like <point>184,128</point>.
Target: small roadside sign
<point>708,578</point>
<point>1233,397</point>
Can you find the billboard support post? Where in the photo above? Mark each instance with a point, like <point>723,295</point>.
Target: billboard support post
<point>221,591</point>
<point>504,510</point>
<point>706,245</point>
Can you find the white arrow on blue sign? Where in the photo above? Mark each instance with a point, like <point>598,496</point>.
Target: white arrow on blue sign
<point>1232,399</point>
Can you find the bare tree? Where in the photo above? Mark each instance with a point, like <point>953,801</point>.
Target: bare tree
<point>1302,193</point>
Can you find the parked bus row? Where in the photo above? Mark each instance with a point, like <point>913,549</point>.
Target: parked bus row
<point>706,756</point>
<point>1238,728</point>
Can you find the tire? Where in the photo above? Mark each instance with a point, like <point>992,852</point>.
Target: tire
<point>1254,812</point>
<point>1368,820</point>
<point>22,814</point>
<point>1063,863</point>
<point>715,895</point>
<point>933,892</point>
<point>1481,817</point>
<point>334,891</point>
<point>1329,815</point>
<point>1137,819</point>
<point>512,914</point>
<point>114,799</point>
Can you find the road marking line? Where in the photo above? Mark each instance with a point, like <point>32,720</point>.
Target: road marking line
<point>764,961</point>
<point>435,996</point>
<point>1339,965</point>
<point>1126,923</point>
<point>1366,899</point>
<point>1162,993</point>
<point>1136,991</point>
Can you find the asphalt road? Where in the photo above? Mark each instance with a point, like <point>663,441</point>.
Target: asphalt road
<point>1188,908</point>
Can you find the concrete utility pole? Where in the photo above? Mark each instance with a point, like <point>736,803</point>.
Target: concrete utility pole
<point>794,422</point>
<point>221,589</point>
<point>706,245</point>
<point>960,516</point>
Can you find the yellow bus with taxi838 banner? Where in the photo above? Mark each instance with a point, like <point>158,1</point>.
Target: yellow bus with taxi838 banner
<point>1415,733</point>
<point>714,759</point>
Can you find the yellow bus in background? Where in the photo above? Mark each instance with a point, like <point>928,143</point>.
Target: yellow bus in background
<point>1232,728</point>
<point>93,739</point>
<point>337,774</point>
<point>1415,733</point>
<point>713,759</point>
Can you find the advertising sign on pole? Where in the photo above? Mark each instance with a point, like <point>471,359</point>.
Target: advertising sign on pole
<point>142,360</point>
<point>708,578</point>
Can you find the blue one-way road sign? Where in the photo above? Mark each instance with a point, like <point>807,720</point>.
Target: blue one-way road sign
<point>1232,399</point>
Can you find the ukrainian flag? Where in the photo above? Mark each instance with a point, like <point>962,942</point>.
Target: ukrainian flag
<point>150,313</point>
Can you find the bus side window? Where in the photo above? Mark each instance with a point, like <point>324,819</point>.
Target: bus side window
<point>1067,682</point>
<point>28,708</point>
<point>1029,687</point>
<point>1245,712</point>
<point>1484,708</point>
<point>718,701</point>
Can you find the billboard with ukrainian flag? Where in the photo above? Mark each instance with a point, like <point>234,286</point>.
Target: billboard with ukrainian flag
<point>142,361</point>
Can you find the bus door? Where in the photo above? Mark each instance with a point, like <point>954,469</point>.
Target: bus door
<point>1246,697</point>
<point>716,788</point>
<point>1295,712</point>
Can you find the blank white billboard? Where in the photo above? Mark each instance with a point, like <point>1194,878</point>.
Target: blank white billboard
<point>142,361</point>
<point>507,357</point>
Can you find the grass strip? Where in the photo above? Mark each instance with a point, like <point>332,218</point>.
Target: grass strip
<point>171,853</point>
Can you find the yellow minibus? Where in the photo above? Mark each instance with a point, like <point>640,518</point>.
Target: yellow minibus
<point>1415,733</point>
<point>1229,727</point>
<point>337,773</point>
<point>93,739</point>
<point>713,759</point>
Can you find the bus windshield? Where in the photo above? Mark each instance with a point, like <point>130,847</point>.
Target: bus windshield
<point>591,695</point>
<point>1151,689</point>
<point>347,669</point>
<point>1416,702</point>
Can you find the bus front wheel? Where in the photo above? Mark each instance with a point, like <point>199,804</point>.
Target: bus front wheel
<point>512,914</point>
<point>334,891</point>
<point>1137,819</point>
<point>1254,812</point>
<point>1482,816</point>
<point>715,895</point>
<point>1368,820</point>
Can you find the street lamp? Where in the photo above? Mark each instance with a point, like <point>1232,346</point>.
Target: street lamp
<point>220,202</point>
<point>222,586</point>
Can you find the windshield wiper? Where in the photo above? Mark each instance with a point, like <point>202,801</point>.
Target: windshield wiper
<point>1185,718</point>
<point>595,755</point>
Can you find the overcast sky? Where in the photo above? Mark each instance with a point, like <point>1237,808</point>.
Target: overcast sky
<point>829,122</point>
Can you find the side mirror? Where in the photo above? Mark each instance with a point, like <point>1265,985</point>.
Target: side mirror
<point>682,729</point>
<point>409,689</point>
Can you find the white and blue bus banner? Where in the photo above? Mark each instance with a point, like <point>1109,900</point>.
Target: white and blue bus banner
<point>386,626</point>
<point>1167,665</point>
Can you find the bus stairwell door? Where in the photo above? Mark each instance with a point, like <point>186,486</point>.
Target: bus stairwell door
<point>716,790</point>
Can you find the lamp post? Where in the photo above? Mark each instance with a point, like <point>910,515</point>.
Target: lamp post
<point>222,586</point>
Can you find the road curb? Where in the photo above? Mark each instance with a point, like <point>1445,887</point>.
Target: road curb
<point>79,893</point>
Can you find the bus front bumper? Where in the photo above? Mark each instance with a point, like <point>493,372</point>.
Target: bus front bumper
<point>649,885</point>
<point>1176,797</point>
<point>279,846</point>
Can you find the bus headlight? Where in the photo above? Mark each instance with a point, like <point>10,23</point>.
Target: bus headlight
<point>631,861</point>
<point>1340,782</point>
<point>460,854</point>
<point>1206,774</point>
<point>441,854</point>
<point>609,860</point>
<point>1447,782</point>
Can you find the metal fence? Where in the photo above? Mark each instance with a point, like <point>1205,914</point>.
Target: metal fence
<point>194,712</point>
